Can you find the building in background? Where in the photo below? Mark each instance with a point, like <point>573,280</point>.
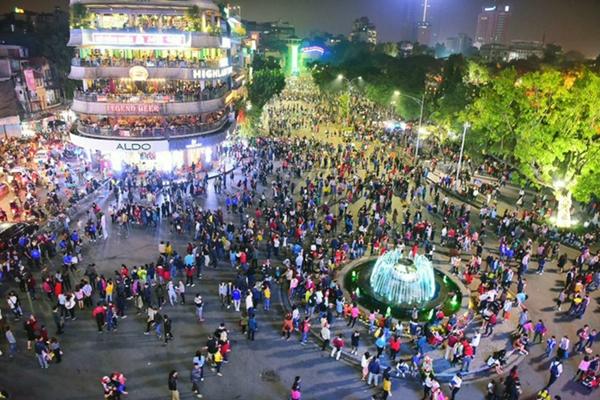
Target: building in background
<point>492,25</point>
<point>270,36</point>
<point>424,25</point>
<point>29,90</point>
<point>524,49</point>
<point>363,31</point>
<point>517,50</point>
<point>460,44</point>
<point>157,80</point>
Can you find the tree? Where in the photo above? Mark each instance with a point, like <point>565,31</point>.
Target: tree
<point>265,84</point>
<point>496,115</point>
<point>52,44</point>
<point>263,62</point>
<point>548,123</point>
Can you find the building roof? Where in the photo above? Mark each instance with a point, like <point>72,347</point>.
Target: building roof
<point>202,4</point>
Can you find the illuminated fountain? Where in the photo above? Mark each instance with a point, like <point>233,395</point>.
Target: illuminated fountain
<point>395,284</point>
<point>401,280</point>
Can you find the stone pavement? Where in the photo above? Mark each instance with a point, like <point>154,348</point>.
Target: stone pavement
<point>263,369</point>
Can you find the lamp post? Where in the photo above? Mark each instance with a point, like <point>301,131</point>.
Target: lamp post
<point>421,103</point>
<point>342,78</point>
<point>466,126</point>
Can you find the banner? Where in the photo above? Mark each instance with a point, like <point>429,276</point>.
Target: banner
<point>30,79</point>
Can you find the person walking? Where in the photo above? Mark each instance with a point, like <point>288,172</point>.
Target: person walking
<point>354,340</point>
<point>295,393</point>
<point>12,342</point>
<point>556,369</point>
<point>196,378</point>
<point>325,335</point>
<point>173,385</point>
<point>199,303</point>
<point>41,352</point>
<point>167,328</point>
<point>374,370</point>
<point>252,326</point>
<point>455,384</point>
<point>387,384</point>
<point>287,327</point>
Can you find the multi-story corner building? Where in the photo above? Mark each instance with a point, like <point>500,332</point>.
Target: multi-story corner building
<point>157,79</point>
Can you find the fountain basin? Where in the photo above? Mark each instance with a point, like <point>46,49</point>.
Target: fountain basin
<point>357,278</point>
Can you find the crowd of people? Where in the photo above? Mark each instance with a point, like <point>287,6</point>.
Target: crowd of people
<point>296,209</point>
<point>152,126</point>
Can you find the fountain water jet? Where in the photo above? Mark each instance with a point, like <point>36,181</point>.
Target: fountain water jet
<point>402,281</point>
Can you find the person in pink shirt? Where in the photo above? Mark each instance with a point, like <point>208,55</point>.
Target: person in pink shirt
<point>354,313</point>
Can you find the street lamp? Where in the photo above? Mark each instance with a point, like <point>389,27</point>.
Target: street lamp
<point>466,126</point>
<point>421,103</point>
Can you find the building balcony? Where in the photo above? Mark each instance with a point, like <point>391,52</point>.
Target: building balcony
<point>149,104</point>
<point>156,72</point>
<point>136,134</point>
<point>115,38</point>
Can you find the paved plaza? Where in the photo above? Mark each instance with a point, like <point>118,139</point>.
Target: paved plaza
<point>264,368</point>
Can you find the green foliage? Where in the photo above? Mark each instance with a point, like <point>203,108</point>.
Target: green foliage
<point>382,75</point>
<point>195,17</point>
<point>262,62</point>
<point>79,16</point>
<point>547,123</point>
<point>52,44</point>
<point>265,84</point>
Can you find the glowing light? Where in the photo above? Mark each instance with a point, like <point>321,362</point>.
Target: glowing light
<point>401,280</point>
<point>313,49</point>
<point>165,161</point>
<point>293,58</point>
<point>559,184</point>
<point>396,93</point>
<point>207,154</point>
<point>340,77</point>
<point>116,161</point>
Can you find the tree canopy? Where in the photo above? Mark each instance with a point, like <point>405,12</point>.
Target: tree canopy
<point>547,123</point>
<point>267,81</point>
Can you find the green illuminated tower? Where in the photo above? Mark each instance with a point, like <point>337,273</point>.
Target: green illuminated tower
<point>292,61</point>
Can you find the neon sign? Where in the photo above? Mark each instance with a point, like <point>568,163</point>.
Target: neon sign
<point>313,49</point>
<point>138,39</point>
<point>215,73</point>
<point>133,108</point>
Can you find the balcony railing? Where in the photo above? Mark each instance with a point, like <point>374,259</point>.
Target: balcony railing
<point>118,38</point>
<point>151,98</point>
<point>105,62</point>
<point>165,133</point>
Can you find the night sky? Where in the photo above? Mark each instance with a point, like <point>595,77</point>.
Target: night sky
<point>574,24</point>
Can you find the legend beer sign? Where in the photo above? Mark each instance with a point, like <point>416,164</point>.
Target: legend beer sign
<point>133,108</point>
<point>120,39</point>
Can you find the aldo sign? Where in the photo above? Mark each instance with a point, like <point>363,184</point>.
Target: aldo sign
<point>134,146</point>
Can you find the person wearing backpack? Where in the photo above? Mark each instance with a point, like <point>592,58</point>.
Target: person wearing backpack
<point>556,369</point>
